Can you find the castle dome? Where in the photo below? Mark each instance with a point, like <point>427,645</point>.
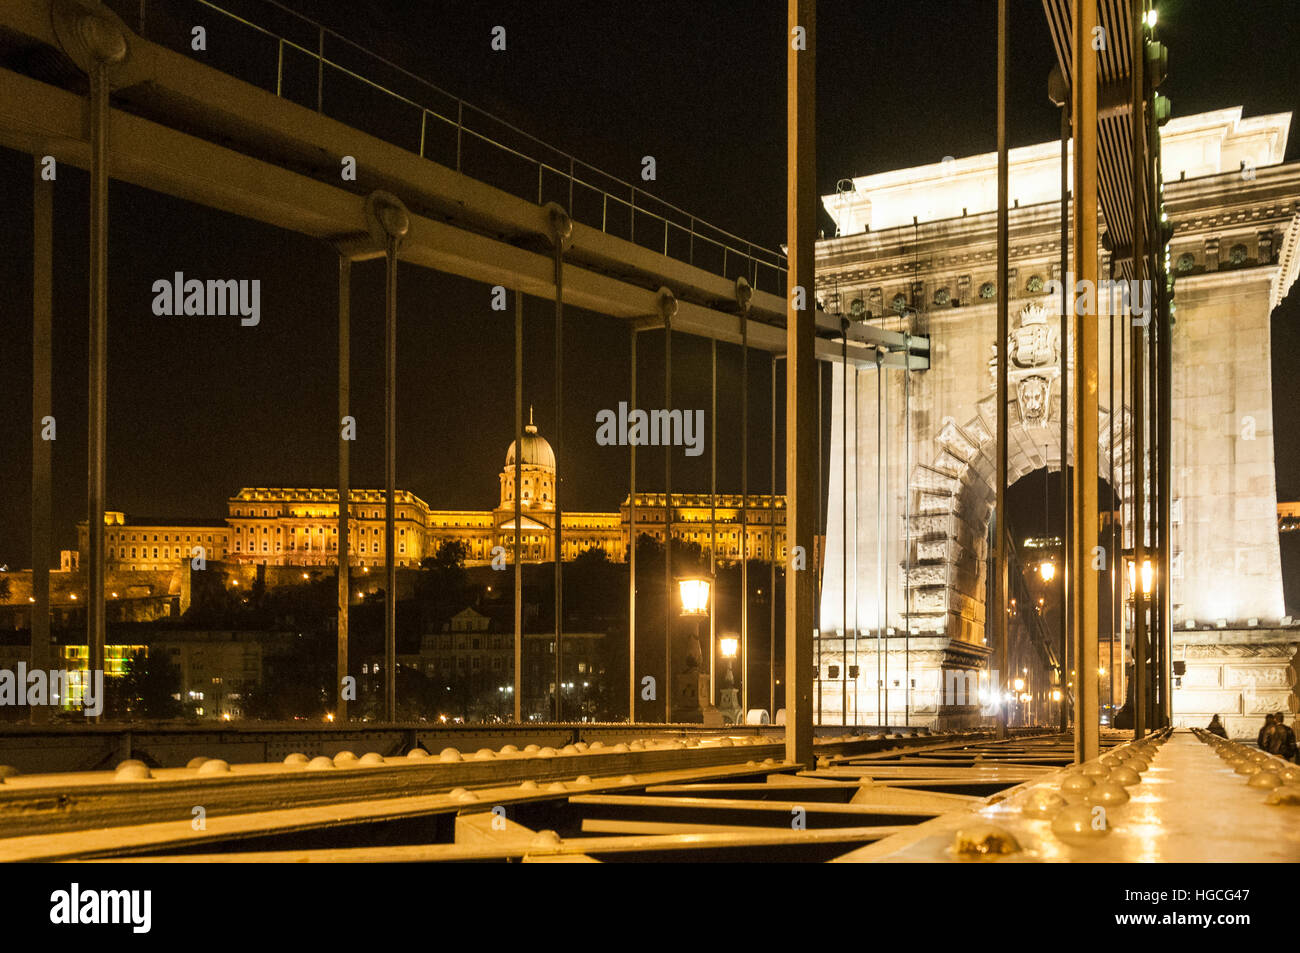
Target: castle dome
<point>537,451</point>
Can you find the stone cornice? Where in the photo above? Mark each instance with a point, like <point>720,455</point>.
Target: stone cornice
<point>1226,205</point>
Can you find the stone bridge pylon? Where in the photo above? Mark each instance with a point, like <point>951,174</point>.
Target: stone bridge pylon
<point>908,515</point>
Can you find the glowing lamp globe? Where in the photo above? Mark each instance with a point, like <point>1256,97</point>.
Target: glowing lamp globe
<point>695,595</point>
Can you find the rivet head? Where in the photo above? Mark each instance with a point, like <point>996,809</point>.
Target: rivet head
<point>1076,783</point>
<point>1078,824</point>
<point>1124,775</point>
<point>1108,793</point>
<point>1043,803</point>
<point>1288,794</point>
<point>132,770</point>
<point>984,840</point>
<point>1264,779</point>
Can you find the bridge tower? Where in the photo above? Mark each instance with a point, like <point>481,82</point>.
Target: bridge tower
<point>915,251</point>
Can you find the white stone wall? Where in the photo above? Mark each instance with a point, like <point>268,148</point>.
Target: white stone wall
<point>1222,464</point>
<point>1239,675</point>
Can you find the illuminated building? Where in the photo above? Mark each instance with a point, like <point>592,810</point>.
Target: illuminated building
<point>298,526</point>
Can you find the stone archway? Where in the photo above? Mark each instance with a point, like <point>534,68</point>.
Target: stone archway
<point>952,499</point>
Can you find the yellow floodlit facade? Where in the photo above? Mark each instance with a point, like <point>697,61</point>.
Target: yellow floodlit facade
<point>298,526</point>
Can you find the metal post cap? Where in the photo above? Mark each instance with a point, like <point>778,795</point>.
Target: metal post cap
<point>559,221</point>
<point>386,217</point>
<point>91,34</point>
<point>744,293</point>
<point>666,303</point>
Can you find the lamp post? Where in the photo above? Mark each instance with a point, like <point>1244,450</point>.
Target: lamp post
<point>694,592</point>
<point>729,696</point>
<point>1145,577</point>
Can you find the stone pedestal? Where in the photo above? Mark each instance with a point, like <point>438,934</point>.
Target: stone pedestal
<point>1241,675</point>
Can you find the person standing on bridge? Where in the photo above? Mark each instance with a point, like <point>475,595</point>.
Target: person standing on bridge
<point>1280,740</point>
<point>1261,740</point>
<point>1215,727</point>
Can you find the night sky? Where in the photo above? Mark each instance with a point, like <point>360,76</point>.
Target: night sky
<point>200,406</point>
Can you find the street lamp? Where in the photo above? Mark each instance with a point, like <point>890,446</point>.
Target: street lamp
<point>729,696</point>
<point>1047,570</point>
<point>694,593</point>
<point>1148,576</point>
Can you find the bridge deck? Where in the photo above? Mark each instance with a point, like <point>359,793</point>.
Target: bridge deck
<point>664,801</point>
<point>1189,807</point>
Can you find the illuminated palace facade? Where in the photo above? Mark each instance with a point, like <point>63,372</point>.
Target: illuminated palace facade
<point>291,526</point>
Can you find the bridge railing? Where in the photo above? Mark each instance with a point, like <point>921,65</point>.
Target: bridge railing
<point>297,58</point>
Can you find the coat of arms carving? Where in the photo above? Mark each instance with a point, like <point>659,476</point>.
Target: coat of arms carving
<point>1033,363</point>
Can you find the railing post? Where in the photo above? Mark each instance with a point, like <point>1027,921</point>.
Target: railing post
<point>518,514</point>
<point>561,232</point>
<point>1000,638</point>
<point>279,66</point>
<point>95,39</point>
<point>632,216</point>
<point>667,310</point>
<point>344,508</point>
<point>801,362</point>
<point>389,222</point>
<point>1085,583</point>
<point>42,404</point>
<point>424,122</point>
